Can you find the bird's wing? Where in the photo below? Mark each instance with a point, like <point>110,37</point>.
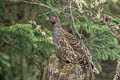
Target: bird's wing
<point>65,51</point>
<point>81,49</point>
<point>76,44</point>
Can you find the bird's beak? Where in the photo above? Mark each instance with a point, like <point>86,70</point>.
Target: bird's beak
<point>47,19</point>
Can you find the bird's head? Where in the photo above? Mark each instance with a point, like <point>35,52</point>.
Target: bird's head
<point>53,18</point>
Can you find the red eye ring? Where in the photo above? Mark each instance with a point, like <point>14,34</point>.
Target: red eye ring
<point>52,18</point>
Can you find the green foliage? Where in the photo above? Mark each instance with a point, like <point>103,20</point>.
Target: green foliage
<point>4,61</point>
<point>4,12</point>
<point>26,46</point>
<point>112,8</point>
<point>25,49</point>
<point>20,37</point>
<point>101,42</point>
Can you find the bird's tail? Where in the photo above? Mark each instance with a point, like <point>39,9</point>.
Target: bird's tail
<point>94,69</point>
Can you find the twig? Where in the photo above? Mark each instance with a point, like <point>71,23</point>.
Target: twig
<point>73,21</point>
<point>5,41</point>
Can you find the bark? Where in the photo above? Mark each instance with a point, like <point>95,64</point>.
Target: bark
<point>117,75</point>
<point>52,72</point>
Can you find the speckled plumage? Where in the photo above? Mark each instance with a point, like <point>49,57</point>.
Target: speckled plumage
<point>69,49</point>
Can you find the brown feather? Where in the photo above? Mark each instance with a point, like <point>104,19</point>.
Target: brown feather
<point>69,48</point>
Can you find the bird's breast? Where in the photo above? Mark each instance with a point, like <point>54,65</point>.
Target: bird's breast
<point>57,33</point>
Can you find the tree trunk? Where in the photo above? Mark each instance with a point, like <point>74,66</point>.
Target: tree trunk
<point>117,75</point>
<point>52,72</point>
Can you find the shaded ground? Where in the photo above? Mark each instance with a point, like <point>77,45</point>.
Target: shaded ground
<point>108,70</point>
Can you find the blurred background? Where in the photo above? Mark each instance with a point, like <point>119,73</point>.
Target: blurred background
<point>26,38</point>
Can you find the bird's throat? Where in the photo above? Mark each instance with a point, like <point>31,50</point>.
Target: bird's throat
<point>53,23</point>
<point>57,25</point>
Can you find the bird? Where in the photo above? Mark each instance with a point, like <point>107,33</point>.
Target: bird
<point>69,49</point>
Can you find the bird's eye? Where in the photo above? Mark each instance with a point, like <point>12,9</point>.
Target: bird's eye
<point>52,17</point>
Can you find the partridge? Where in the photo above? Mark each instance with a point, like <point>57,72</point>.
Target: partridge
<point>69,49</point>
